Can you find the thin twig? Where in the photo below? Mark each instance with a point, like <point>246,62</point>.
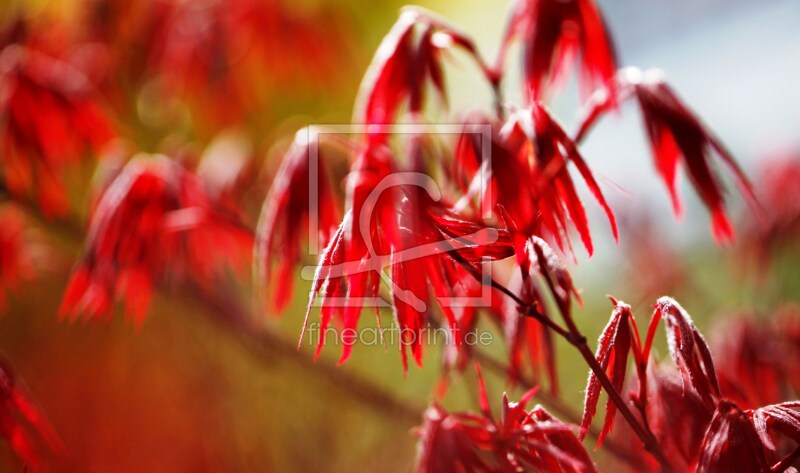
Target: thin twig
<point>573,335</point>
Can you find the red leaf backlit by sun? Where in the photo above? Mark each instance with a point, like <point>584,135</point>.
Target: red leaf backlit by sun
<point>23,424</point>
<point>286,213</point>
<point>612,354</point>
<point>405,229</point>
<point>154,220</point>
<point>529,177</point>
<point>50,120</point>
<point>409,57</point>
<point>16,253</point>
<point>554,33</point>
<point>676,136</point>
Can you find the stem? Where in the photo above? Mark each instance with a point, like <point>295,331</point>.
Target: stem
<point>787,461</point>
<point>573,335</point>
<point>495,80</point>
<point>526,309</point>
<point>578,340</point>
<point>645,435</point>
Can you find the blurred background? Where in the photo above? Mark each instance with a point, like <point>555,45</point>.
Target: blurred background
<point>186,392</point>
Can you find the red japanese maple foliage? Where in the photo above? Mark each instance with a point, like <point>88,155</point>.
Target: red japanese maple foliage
<point>286,214</point>
<point>16,252</point>
<point>520,440</point>
<point>423,220</point>
<point>219,56</point>
<point>529,177</point>
<point>682,405</point>
<point>49,119</point>
<point>153,221</point>
<point>555,32</point>
<point>22,423</point>
<point>403,231</point>
<point>676,135</point>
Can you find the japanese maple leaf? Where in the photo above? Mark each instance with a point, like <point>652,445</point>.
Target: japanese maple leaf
<point>687,348</point>
<point>23,425</point>
<point>286,213</point>
<point>554,33</point>
<point>409,57</point>
<point>528,176</point>
<point>613,348</point>
<point>153,221</point>
<point>49,119</point>
<point>677,416</point>
<point>676,135</point>
<point>16,252</point>
<point>780,418</point>
<point>731,443</point>
<point>520,440</point>
<point>210,53</point>
<point>413,235</point>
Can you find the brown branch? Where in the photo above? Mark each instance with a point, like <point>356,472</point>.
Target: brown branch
<point>261,337</point>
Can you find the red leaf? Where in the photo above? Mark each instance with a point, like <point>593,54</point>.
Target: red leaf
<point>675,134</point>
<point>688,350</point>
<point>553,32</point>
<point>781,417</point>
<point>286,213</point>
<point>731,443</point>
<point>23,424</point>
<point>678,417</point>
<point>404,63</point>
<point>612,354</point>
<point>51,121</point>
<point>154,220</point>
<point>521,440</point>
<point>529,163</point>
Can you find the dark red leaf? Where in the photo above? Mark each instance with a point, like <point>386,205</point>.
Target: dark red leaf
<point>676,135</point>
<point>689,350</point>
<point>154,221</point>
<point>782,418</point>
<point>286,213</point>
<point>23,424</point>
<point>553,33</point>
<point>612,354</point>
<point>731,443</point>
